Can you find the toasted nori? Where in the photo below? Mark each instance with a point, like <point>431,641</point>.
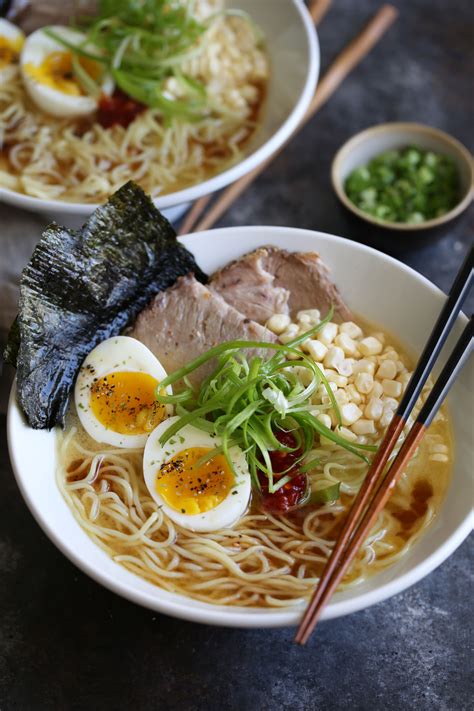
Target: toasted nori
<point>82,286</point>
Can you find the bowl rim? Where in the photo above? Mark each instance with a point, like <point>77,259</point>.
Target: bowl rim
<point>226,177</point>
<point>238,616</point>
<point>399,127</point>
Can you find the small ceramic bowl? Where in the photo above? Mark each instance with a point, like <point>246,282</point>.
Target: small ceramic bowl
<point>368,144</point>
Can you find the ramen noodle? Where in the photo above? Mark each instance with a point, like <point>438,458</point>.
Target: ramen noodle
<point>79,160</point>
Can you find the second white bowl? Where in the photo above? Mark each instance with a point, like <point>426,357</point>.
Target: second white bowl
<point>293,47</point>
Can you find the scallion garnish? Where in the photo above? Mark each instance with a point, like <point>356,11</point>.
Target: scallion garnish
<point>143,45</point>
<point>248,401</point>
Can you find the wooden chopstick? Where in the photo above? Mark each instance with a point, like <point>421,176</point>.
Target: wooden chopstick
<point>194,214</point>
<point>441,329</point>
<point>448,375</point>
<point>317,9</point>
<point>344,63</point>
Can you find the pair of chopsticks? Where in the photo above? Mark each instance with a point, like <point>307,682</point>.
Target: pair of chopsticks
<point>363,512</point>
<point>343,65</point>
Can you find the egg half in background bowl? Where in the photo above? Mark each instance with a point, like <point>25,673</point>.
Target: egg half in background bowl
<point>11,43</point>
<point>293,52</point>
<point>47,71</point>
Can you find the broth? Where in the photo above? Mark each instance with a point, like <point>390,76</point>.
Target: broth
<point>265,560</point>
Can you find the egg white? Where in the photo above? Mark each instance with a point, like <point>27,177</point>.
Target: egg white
<point>36,49</point>
<point>225,514</point>
<point>11,33</point>
<point>116,354</point>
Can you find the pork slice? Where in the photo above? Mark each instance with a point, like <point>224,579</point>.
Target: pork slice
<point>30,15</point>
<point>186,320</point>
<point>249,287</point>
<point>254,284</point>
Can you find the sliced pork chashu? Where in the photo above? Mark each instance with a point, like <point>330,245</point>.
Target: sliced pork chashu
<point>250,287</point>
<point>271,280</point>
<point>186,320</point>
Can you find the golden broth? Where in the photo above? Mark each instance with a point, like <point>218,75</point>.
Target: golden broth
<point>264,560</point>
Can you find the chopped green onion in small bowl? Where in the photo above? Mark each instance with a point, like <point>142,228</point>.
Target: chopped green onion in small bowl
<point>406,185</point>
<point>404,178</point>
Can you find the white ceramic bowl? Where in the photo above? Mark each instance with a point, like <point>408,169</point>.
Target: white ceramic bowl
<point>385,292</point>
<point>366,145</point>
<point>294,57</point>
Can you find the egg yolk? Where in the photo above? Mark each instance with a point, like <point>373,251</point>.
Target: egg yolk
<point>125,402</point>
<point>192,487</point>
<point>9,50</point>
<point>56,71</point>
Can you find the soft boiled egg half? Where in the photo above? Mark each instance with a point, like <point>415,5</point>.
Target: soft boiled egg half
<point>196,493</point>
<point>51,73</point>
<point>11,42</point>
<point>115,393</point>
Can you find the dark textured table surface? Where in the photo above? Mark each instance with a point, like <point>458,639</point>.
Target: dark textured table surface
<point>66,643</point>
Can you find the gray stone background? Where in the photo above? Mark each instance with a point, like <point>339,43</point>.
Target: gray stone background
<point>66,643</point>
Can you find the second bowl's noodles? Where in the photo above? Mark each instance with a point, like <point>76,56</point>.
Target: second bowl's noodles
<point>80,161</point>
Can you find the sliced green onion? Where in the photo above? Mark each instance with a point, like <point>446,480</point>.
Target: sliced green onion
<point>247,402</point>
<point>324,496</point>
<point>142,45</point>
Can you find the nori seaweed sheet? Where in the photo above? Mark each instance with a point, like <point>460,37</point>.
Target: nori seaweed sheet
<point>83,286</point>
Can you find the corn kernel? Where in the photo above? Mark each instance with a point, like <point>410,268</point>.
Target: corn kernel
<point>348,345</point>
<point>321,392</point>
<point>333,357</point>
<point>309,316</point>
<point>401,367</point>
<point>370,346</point>
<point>387,369</point>
<point>341,396</point>
<point>278,323</point>
<point>364,382</point>
<point>334,377</point>
<point>304,321</point>
<point>392,388</point>
<point>364,366</point>
<point>390,403</point>
<point>316,349</point>
<point>389,354</point>
<point>293,356</point>
<point>324,419</point>
<point>404,378</point>
<point>439,458</point>
<point>353,394</point>
<point>351,328</point>
<point>290,333</point>
<point>363,427</point>
<point>374,409</point>
<point>386,418</point>
<point>328,333</point>
<point>377,390</point>
<point>347,434</point>
<point>344,368</point>
<point>350,413</point>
